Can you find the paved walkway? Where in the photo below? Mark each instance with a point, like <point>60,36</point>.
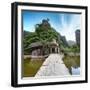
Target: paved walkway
<point>53,66</point>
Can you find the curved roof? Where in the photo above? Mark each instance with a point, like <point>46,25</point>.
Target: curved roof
<point>36,44</point>
<point>54,42</point>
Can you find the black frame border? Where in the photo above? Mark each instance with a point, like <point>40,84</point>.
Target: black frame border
<point>14,43</point>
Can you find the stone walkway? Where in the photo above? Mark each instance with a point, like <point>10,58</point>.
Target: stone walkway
<point>53,66</point>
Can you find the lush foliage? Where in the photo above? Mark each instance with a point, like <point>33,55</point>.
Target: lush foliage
<point>74,48</point>
<point>41,34</point>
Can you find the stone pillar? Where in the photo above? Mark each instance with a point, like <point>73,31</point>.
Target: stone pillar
<point>55,50</point>
<point>58,50</point>
<point>50,50</point>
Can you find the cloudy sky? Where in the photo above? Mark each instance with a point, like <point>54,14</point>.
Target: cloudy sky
<point>64,23</point>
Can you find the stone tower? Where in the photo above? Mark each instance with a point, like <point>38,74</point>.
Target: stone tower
<point>77,34</point>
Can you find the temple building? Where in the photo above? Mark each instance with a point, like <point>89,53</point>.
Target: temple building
<point>38,49</point>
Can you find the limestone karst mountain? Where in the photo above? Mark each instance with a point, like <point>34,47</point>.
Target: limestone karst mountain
<point>44,32</point>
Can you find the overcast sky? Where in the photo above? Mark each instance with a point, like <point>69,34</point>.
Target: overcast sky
<point>64,23</point>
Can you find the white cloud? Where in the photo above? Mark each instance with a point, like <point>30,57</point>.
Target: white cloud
<point>68,29</point>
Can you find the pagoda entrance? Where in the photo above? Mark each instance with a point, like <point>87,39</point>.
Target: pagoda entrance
<point>54,50</point>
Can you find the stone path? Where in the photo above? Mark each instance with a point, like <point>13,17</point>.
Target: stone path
<point>53,66</point>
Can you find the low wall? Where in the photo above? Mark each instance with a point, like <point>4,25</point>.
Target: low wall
<point>35,57</point>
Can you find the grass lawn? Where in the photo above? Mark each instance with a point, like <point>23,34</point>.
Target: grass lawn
<point>30,67</point>
<point>71,61</point>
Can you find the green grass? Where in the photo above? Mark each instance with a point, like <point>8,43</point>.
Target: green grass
<point>30,67</point>
<point>71,61</point>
